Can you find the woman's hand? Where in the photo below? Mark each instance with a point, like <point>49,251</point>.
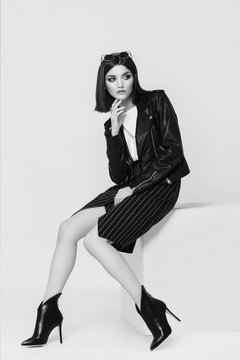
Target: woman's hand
<point>122,194</point>
<point>116,120</point>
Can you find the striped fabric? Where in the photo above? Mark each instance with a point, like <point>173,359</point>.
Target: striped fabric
<point>124,223</point>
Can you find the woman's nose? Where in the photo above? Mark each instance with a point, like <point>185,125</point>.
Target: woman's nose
<point>120,83</point>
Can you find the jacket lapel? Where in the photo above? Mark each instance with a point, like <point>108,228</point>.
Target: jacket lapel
<point>143,125</point>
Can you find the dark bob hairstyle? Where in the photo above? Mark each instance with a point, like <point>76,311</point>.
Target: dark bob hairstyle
<point>103,99</point>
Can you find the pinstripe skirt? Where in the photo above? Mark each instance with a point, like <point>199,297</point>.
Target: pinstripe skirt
<point>124,223</point>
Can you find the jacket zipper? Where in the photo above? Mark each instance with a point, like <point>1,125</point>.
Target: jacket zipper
<point>147,179</point>
<point>153,143</point>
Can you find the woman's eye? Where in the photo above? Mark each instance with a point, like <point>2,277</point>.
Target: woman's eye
<point>126,77</point>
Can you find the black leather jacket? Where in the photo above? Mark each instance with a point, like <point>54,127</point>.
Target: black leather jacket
<point>158,142</point>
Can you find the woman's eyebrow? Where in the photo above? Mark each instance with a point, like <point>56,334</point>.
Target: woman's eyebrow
<point>122,74</point>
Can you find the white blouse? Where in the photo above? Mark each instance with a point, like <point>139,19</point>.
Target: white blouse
<point>129,129</point>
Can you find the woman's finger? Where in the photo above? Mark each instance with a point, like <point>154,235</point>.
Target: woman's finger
<point>115,104</point>
<point>117,110</point>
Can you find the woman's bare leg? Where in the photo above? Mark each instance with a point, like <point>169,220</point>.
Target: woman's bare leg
<point>70,231</point>
<point>114,262</point>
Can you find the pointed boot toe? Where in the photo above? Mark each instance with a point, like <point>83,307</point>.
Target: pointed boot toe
<point>26,342</point>
<point>32,342</point>
<point>158,340</point>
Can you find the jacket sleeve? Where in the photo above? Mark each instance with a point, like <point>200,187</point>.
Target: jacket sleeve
<point>171,153</point>
<point>117,166</point>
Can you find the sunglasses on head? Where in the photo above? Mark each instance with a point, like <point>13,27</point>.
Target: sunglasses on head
<point>121,55</point>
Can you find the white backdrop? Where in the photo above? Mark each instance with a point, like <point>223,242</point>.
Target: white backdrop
<point>53,152</point>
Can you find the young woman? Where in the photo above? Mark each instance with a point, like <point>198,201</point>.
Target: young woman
<point>146,163</point>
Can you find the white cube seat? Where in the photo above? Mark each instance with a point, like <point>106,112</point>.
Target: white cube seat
<point>191,261</point>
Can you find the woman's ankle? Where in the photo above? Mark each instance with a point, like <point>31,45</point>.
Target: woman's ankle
<point>49,296</point>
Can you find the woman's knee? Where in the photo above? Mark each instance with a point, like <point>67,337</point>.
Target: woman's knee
<point>64,227</point>
<point>78,226</point>
<point>67,231</point>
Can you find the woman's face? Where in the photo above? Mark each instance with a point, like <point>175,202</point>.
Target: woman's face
<point>119,78</point>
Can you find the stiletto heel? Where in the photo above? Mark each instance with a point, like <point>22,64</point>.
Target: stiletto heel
<point>48,317</point>
<point>172,314</point>
<point>60,333</point>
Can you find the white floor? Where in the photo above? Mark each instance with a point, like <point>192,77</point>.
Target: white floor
<point>93,329</point>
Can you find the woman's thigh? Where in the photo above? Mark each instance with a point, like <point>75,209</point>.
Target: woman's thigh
<point>77,226</point>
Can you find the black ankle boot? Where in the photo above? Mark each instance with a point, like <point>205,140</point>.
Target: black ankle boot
<point>48,317</point>
<point>153,312</point>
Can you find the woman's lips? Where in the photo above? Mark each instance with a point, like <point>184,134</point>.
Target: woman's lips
<point>121,91</point>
